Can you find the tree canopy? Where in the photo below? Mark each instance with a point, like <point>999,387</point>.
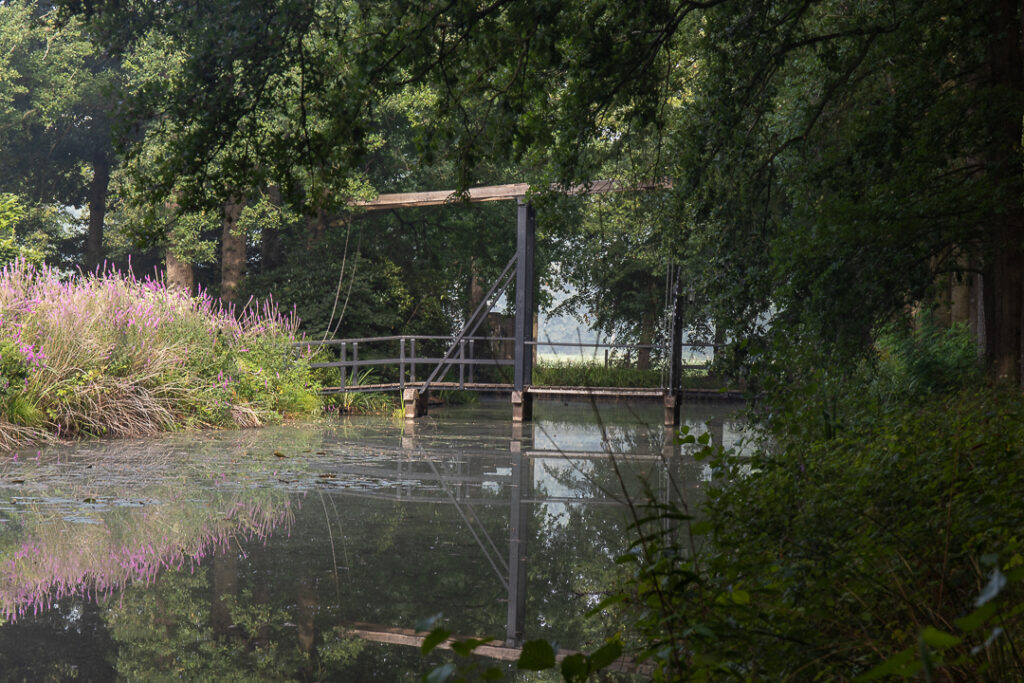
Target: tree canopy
<point>832,164</point>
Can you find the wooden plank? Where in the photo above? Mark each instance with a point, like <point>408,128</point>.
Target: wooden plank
<point>591,455</point>
<point>568,392</point>
<point>624,392</point>
<point>398,200</point>
<point>403,636</point>
<point>491,193</point>
<point>394,386</point>
<point>451,362</point>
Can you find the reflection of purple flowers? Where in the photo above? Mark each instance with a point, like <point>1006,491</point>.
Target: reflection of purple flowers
<point>52,565</point>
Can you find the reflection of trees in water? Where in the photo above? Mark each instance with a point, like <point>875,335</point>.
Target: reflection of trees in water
<point>382,538</point>
<point>171,629</point>
<point>627,428</point>
<point>571,567</point>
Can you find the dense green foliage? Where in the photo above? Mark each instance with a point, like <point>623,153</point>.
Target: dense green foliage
<point>885,544</point>
<point>828,161</point>
<point>850,547</point>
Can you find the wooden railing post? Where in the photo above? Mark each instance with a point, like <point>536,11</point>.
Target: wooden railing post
<point>412,367</point>
<point>462,364</point>
<point>355,361</point>
<point>401,364</point>
<point>341,368</point>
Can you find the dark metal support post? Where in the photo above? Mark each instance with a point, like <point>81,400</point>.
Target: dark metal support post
<point>522,376</point>
<point>673,392</point>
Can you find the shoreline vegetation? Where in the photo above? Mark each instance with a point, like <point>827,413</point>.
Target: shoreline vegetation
<point>109,354</point>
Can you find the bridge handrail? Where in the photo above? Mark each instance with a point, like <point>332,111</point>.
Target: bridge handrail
<point>454,359</point>
<point>437,337</point>
<point>424,360</point>
<point>399,337</point>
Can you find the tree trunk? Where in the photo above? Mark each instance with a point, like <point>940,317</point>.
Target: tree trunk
<point>97,211</point>
<point>977,313</point>
<point>960,301</point>
<point>1007,233</point>
<point>233,262</point>
<point>1006,289</point>
<point>179,273</point>
<point>643,356</point>
<point>225,582</point>
<point>270,240</point>
<point>316,227</point>
<point>476,288</point>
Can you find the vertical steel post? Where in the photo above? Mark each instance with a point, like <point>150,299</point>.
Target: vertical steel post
<point>673,392</point>
<point>412,368</point>
<point>471,363</point>
<point>522,376</point>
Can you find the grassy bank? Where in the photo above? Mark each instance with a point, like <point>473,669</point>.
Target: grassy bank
<point>118,356</point>
<point>586,373</point>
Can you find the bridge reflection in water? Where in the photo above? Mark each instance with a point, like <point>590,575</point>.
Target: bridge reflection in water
<point>550,463</point>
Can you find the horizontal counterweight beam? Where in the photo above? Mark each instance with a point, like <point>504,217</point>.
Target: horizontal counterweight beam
<point>492,193</point>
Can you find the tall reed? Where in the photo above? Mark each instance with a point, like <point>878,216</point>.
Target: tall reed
<point>113,354</point>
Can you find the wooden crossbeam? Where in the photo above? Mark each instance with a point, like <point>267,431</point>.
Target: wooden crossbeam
<point>490,193</point>
<point>379,633</point>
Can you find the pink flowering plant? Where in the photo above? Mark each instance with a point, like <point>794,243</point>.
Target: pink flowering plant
<point>112,354</point>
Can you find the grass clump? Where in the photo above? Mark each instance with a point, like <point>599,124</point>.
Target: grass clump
<point>115,355</point>
<point>583,373</point>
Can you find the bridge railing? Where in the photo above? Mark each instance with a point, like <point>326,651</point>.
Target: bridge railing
<point>415,358</point>
<point>407,355</point>
<point>611,347</point>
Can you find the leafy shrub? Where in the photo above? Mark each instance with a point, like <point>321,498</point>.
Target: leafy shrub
<point>814,395</point>
<point>851,547</point>
<point>923,359</point>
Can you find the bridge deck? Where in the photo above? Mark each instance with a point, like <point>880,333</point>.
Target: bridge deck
<point>554,391</point>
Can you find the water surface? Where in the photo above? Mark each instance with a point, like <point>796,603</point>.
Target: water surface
<point>292,552</point>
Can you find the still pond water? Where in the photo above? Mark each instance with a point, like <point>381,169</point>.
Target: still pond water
<point>292,552</point>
